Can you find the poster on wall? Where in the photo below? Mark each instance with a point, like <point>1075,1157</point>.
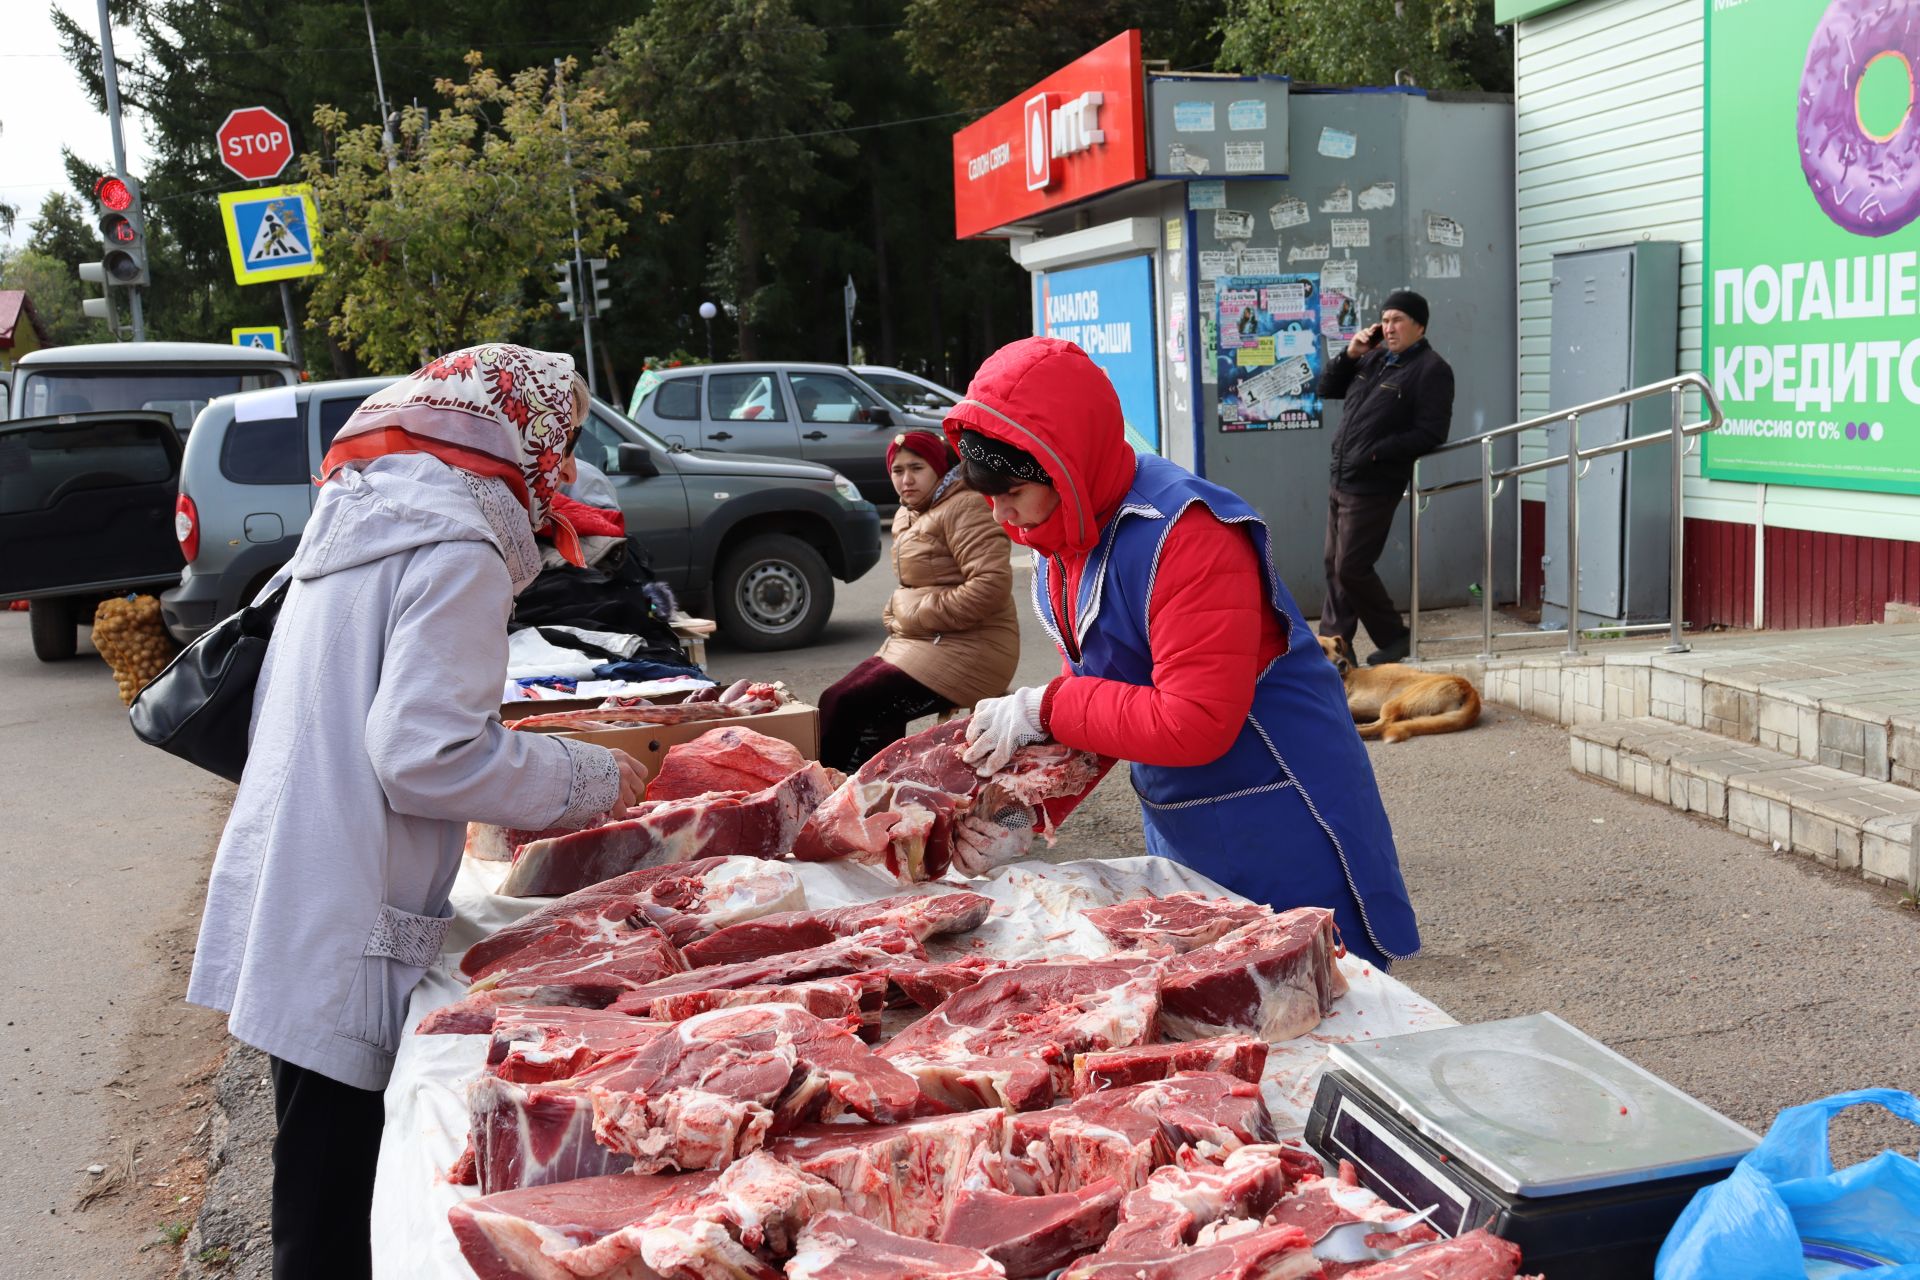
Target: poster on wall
<point>1812,243</point>
<point>1107,310</point>
<point>1269,358</point>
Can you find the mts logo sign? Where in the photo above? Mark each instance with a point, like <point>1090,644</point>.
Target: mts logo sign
<point>1053,133</point>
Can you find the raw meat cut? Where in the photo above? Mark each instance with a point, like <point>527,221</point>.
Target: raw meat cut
<point>1125,1134</point>
<point>897,811</point>
<point>583,972</point>
<point>532,1043</point>
<point>1274,979</point>
<point>761,824</point>
<point>496,844</point>
<point>840,1246</point>
<point>904,1177</point>
<point>923,915</point>
<point>1240,1056</point>
<point>695,1227</point>
<point>685,900</point>
<point>730,758</point>
<point>700,1095</point>
<point>1318,1205</point>
<point>855,1000</point>
<point>1181,1198</point>
<point>1030,1236</point>
<point>928,983</point>
<point>873,950</point>
<point>1179,921</point>
<point>1477,1255</point>
<point>1010,1040</point>
<point>1269,1253</point>
<point>621,713</point>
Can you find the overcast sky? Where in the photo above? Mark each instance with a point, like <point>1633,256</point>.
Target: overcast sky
<point>42,108</point>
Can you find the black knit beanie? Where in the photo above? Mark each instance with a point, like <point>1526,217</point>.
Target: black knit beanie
<point>1409,304</point>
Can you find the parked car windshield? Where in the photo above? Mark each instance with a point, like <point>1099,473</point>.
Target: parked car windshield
<point>909,395</point>
<point>180,392</point>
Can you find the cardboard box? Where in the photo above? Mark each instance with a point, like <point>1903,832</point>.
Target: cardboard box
<point>797,722</point>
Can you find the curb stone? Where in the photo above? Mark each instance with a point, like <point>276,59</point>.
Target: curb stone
<point>235,1214</point>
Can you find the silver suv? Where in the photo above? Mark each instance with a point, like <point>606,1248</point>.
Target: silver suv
<point>823,413</point>
<point>763,538</point>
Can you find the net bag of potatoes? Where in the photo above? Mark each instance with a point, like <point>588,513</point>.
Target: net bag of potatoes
<point>129,634</point>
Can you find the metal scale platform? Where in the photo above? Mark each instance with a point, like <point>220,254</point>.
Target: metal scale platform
<point>1531,1128</point>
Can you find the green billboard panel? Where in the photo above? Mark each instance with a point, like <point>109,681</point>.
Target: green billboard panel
<point>1811,293</point>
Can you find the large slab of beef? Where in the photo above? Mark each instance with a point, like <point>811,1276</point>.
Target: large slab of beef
<point>532,1043</point>
<point>923,915</point>
<point>568,972</point>
<point>904,1177</point>
<point>856,999</point>
<point>1178,922</point>
<point>1240,1056</point>
<point>737,1223</point>
<point>729,758</point>
<point>741,699</point>
<point>760,824</point>
<point>871,951</point>
<point>897,811</point>
<point>841,1246</point>
<point>700,1095</point>
<point>1274,978</point>
<point>1032,1236</point>
<point>1010,1040</point>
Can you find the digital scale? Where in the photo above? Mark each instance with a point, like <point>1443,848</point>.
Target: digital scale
<point>1530,1128</point>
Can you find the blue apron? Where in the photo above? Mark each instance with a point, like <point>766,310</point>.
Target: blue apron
<point>1290,815</point>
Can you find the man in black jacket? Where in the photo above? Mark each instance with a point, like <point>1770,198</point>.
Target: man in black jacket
<point>1399,405</point>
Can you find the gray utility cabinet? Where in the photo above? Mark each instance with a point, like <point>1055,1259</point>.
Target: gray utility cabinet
<point>1616,326</point>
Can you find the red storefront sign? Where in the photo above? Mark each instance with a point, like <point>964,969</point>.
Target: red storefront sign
<point>1079,132</point>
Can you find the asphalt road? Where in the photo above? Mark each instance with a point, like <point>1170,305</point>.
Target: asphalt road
<point>1753,980</point>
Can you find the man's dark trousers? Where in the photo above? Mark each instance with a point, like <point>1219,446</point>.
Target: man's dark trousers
<point>1357,528</point>
<point>323,1160</point>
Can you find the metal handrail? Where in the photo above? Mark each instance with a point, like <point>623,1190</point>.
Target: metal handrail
<point>1491,481</point>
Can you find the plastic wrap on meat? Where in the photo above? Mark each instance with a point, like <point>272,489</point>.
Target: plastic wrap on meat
<point>840,1246</point>
<point>924,915</point>
<point>1032,1236</point>
<point>1240,1056</point>
<point>898,809</point>
<point>1010,1040</point>
<point>761,824</point>
<point>1178,922</point>
<point>872,951</point>
<point>1274,979</point>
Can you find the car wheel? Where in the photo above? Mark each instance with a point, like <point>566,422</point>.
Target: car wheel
<point>56,636</point>
<point>773,592</point>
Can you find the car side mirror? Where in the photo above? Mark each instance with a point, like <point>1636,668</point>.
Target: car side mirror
<point>637,460</point>
<point>878,417</point>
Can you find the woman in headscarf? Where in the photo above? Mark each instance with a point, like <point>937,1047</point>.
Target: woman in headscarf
<point>952,634</point>
<point>375,739</point>
<point>1182,653</point>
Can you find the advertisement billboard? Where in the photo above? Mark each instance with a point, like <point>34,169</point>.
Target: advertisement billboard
<point>1107,311</point>
<point>1812,243</point>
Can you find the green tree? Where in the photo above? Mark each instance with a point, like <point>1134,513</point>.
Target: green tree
<point>1438,44</point>
<point>740,103</point>
<point>449,240</point>
<point>61,232</point>
<point>55,292</point>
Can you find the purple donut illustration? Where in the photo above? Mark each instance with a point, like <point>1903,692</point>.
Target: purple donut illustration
<point>1867,182</point>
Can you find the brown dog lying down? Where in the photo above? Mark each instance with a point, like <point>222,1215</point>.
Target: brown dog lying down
<point>1394,702</point>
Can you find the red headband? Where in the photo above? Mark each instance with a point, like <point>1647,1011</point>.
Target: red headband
<point>928,446</point>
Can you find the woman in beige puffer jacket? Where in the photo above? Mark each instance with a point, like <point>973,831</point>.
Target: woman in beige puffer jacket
<point>952,634</point>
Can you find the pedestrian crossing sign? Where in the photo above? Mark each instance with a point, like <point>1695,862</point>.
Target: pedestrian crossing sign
<point>272,233</point>
<point>264,337</point>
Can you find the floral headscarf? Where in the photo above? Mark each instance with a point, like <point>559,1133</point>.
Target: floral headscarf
<point>493,410</point>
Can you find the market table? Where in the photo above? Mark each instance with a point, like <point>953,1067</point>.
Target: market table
<point>1036,912</point>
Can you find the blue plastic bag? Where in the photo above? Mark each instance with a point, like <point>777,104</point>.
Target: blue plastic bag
<point>1786,1214</point>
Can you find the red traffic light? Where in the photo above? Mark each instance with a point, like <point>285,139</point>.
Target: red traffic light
<point>112,192</point>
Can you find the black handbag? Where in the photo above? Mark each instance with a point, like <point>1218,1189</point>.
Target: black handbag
<point>200,707</point>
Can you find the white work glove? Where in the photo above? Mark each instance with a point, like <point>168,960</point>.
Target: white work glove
<point>981,843</point>
<point>1001,726</point>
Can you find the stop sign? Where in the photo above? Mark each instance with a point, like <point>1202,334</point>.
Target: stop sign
<point>255,143</point>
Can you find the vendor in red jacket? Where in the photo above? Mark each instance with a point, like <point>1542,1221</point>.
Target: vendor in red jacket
<point>1183,653</point>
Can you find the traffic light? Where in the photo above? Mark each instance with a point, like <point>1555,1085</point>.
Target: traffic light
<point>597,267</point>
<point>563,271</point>
<point>123,231</point>
<point>100,308</point>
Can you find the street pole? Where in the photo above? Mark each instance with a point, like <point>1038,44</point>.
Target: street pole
<point>293,326</point>
<point>379,87</point>
<point>582,285</point>
<point>112,78</point>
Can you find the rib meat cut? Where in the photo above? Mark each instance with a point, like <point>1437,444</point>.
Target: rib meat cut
<point>904,1177</point>
<point>760,824</point>
<point>1031,1236</point>
<point>1274,978</point>
<point>567,971</point>
<point>840,1246</point>
<point>923,915</point>
<point>1181,1198</point>
<point>730,758</point>
<point>1179,921</point>
<point>532,1043</point>
<point>897,811</point>
<point>873,950</point>
<point>1241,1056</point>
<point>856,999</point>
<point>1010,1040</point>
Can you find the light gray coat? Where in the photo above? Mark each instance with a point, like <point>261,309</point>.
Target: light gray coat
<point>375,739</point>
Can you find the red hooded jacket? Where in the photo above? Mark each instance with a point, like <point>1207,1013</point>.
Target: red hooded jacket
<point>1212,631</point>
